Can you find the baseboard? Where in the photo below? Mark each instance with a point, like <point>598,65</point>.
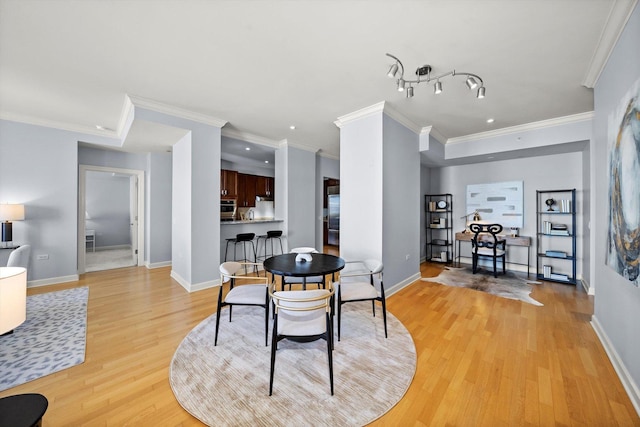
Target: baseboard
<point>627,381</point>
<point>189,287</point>
<point>401,285</point>
<point>52,281</point>
<point>151,266</point>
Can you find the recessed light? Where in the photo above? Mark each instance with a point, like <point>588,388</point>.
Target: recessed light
<point>489,120</point>
<point>248,148</point>
<point>292,127</point>
<point>266,161</point>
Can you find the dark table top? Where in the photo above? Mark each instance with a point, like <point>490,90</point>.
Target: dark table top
<point>286,265</point>
<point>22,409</point>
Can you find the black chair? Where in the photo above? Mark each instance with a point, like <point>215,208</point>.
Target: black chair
<point>486,243</point>
<point>269,238</point>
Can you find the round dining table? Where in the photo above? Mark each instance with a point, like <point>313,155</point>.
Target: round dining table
<point>320,265</point>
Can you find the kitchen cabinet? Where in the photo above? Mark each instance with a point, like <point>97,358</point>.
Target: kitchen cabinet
<point>264,186</point>
<point>228,183</point>
<point>247,190</point>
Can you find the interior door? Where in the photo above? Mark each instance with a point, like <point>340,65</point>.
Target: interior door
<point>133,216</point>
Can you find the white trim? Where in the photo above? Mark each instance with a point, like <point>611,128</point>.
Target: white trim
<point>327,155</point>
<point>248,137</point>
<point>151,266</point>
<point>627,381</point>
<point>575,118</point>
<point>53,281</point>
<point>401,285</point>
<point>193,287</point>
<point>359,114</point>
<point>160,107</point>
<point>82,203</point>
<point>398,117</point>
<point>619,14</point>
<point>286,143</point>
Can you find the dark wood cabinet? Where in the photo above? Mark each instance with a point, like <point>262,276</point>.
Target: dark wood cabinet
<point>246,190</point>
<point>228,183</point>
<point>264,186</point>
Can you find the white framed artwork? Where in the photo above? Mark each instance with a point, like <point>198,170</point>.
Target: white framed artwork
<point>497,202</point>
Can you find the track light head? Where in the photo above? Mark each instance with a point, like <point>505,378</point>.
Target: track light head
<point>400,85</point>
<point>392,71</point>
<point>410,92</point>
<point>471,82</point>
<point>480,94</point>
<point>437,87</point>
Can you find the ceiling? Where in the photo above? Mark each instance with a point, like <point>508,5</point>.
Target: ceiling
<point>263,66</point>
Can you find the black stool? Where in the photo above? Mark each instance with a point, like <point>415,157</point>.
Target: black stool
<point>270,237</point>
<point>243,239</point>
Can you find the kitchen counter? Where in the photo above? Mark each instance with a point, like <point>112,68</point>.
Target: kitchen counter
<point>250,221</point>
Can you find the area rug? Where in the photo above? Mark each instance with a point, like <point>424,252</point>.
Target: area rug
<point>509,285</point>
<point>228,385</point>
<point>52,338</point>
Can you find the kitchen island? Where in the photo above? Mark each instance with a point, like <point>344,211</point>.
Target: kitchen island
<point>229,229</point>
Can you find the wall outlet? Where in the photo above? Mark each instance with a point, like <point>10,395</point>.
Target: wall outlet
<point>407,256</point>
<point>43,256</point>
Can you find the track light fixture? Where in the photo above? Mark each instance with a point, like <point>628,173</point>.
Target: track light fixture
<point>423,74</point>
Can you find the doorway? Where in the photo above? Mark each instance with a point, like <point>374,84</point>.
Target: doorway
<point>110,218</point>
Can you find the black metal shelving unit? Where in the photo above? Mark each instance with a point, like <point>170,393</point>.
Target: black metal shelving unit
<point>439,227</point>
<point>556,235</point>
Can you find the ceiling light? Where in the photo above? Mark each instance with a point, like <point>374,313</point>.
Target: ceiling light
<point>410,92</point>
<point>247,148</point>
<point>292,127</point>
<point>437,88</point>
<point>266,161</point>
<point>489,120</point>
<point>424,75</point>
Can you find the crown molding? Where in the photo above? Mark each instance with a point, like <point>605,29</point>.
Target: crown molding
<point>431,131</point>
<point>395,115</point>
<point>159,107</point>
<point>575,118</point>
<point>286,143</point>
<point>619,14</point>
<point>249,137</point>
<point>90,130</point>
<point>123,123</point>
<point>328,155</point>
<point>359,114</point>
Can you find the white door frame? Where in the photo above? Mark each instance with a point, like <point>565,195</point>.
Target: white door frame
<point>82,203</point>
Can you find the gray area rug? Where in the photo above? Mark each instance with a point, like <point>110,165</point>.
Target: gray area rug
<point>52,338</point>
<point>509,285</point>
<point>228,385</point>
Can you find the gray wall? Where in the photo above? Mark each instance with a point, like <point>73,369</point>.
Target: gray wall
<point>158,203</point>
<point>301,195</point>
<point>562,171</point>
<point>39,167</point>
<point>107,206</point>
<point>617,302</point>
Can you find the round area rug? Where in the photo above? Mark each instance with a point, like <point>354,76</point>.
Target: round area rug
<point>228,385</point>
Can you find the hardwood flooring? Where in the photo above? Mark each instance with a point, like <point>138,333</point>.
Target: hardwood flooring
<point>482,360</point>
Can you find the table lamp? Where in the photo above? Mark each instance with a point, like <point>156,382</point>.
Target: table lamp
<point>13,298</point>
<point>8,213</point>
<point>476,217</point>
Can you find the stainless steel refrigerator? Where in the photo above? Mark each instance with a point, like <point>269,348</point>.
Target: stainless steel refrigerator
<point>333,204</point>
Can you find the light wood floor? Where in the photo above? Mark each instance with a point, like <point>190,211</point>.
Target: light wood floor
<point>482,360</point>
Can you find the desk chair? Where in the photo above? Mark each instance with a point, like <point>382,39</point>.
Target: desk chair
<point>486,243</point>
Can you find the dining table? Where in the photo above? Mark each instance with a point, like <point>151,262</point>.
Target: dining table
<point>320,265</point>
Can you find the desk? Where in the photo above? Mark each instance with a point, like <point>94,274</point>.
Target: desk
<point>286,265</point>
<point>523,241</point>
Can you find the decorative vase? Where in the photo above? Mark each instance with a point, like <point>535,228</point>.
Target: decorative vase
<point>303,254</point>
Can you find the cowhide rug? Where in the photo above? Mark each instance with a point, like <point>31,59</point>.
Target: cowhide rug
<point>509,285</point>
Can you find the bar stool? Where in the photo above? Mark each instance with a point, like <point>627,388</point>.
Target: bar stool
<point>242,239</point>
<point>269,238</point>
